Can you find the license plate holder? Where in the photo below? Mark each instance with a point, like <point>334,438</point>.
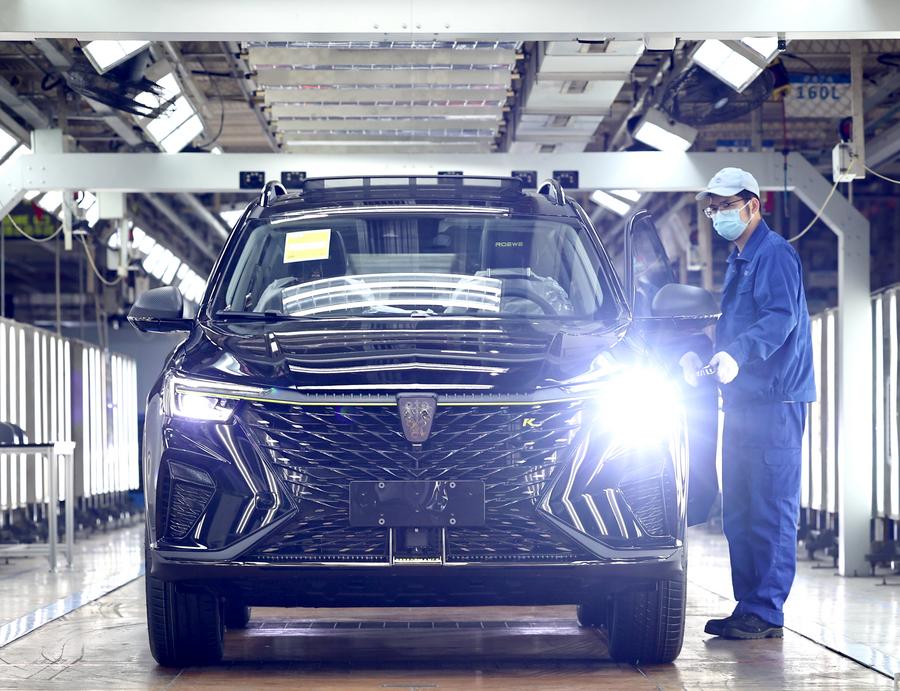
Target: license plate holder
<point>417,503</point>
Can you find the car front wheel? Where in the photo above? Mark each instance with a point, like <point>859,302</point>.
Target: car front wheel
<point>647,626</point>
<point>236,614</point>
<point>185,627</point>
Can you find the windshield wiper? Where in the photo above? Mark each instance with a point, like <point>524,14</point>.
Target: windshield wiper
<point>267,316</point>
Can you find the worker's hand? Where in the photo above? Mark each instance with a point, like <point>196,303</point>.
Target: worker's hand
<point>726,367</point>
<point>690,362</point>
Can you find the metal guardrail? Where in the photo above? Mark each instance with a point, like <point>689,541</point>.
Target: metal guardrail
<point>61,389</point>
<point>819,490</point>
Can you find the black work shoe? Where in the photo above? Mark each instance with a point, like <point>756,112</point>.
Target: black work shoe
<point>750,626</point>
<point>715,627</point>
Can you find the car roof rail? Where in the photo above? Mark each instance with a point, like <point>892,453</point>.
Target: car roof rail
<point>553,191</point>
<point>270,192</point>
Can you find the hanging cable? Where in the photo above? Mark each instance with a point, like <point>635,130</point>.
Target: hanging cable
<point>31,237</point>
<point>822,208</point>
<point>883,177</point>
<point>90,258</point>
<point>211,142</point>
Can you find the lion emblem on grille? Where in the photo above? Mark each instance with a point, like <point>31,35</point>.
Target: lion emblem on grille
<point>416,416</point>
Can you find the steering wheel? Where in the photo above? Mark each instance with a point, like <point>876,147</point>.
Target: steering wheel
<point>531,296</point>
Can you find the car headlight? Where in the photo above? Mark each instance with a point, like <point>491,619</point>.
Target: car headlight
<point>197,399</point>
<point>641,406</point>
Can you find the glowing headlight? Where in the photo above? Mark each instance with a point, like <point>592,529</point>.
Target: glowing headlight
<point>641,406</point>
<point>197,399</point>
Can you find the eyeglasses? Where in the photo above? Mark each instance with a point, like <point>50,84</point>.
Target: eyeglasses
<point>712,210</point>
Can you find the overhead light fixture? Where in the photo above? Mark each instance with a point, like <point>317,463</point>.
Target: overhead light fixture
<point>163,264</point>
<point>766,47</point>
<point>7,142</point>
<point>737,63</point>
<point>91,209</point>
<point>630,195</point>
<point>179,124</point>
<point>231,216</point>
<point>656,130</point>
<point>104,55</point>
<point>16,153</point>
<point>183,136</point>
<point>608,201</point>
<point>51,201</point>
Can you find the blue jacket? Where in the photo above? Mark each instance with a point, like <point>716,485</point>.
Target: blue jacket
<point>765,323</point>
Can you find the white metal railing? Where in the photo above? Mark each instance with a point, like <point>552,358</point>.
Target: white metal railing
<point>819,491</point>
<point>61,389</point>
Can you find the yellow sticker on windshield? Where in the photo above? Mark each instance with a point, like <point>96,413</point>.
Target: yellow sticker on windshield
<point>307,245</point>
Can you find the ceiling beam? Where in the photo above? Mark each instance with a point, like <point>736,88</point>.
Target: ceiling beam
<point>884,147</point>
<point>180,225</point>
<point>201,172</point>
<point>297,20</point>
<point>205,214</point>
<point>387,95</point>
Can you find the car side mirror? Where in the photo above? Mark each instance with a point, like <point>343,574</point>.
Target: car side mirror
<point>683,308</point>
<point>159,310</point>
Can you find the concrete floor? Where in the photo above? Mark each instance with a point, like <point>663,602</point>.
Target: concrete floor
<point>103,644</point>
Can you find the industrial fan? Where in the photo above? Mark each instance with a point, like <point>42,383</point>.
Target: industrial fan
<point>696,98</point>
<point>121,87</point>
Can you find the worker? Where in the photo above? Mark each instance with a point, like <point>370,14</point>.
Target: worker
<point>763,363</point>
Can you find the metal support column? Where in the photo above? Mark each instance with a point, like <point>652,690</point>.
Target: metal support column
<point>853,363</point>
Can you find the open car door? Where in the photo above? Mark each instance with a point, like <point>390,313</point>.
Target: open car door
<point>650,283</point>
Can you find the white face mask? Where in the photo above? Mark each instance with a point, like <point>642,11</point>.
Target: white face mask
<point>729,224</point>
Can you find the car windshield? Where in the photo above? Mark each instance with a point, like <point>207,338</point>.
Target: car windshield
<point>415,264</point>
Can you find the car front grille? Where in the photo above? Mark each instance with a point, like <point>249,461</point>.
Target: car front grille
<point>187,503</point>
<point>318,450</point>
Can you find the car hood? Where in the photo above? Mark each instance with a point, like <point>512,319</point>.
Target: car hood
<point>381,356</point>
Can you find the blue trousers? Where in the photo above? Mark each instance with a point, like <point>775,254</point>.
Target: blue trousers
<point>760,503</point>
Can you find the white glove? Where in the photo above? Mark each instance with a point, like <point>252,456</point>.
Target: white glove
<point>726,367</point>
<point>690,362</point>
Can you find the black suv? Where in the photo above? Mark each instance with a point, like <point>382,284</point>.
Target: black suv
<point>421,391</point>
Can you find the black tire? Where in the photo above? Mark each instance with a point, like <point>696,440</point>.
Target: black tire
<point>594,615</point>
<point>185,627</point>
<point>236,615</point>
<point>648,626</point>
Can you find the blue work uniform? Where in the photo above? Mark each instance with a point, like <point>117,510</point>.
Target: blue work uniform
<point>765,327</point>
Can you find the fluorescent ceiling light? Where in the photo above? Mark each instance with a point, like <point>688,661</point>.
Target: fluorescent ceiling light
<point>630,195</point>
<point>51,201</point>
<point>656,130</point>
<point>608,201</point>
<point>145,245</point>
<point>87,200</point>
<point>7,142</point>
<point>169,89</point>
<point>21,151</point>
<point>192,287</point>
<point>231,216</point>
<point>104,55</point>
<point>171,266</point>
<point>183,136</point>
<point>166,123</point>
<point>726,64</point>
<point>766,47</point>
<point>31,194</point>
<point>93,215</point>
<point>154,260</point>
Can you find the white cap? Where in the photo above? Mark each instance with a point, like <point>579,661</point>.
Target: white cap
<point>729,182</point>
